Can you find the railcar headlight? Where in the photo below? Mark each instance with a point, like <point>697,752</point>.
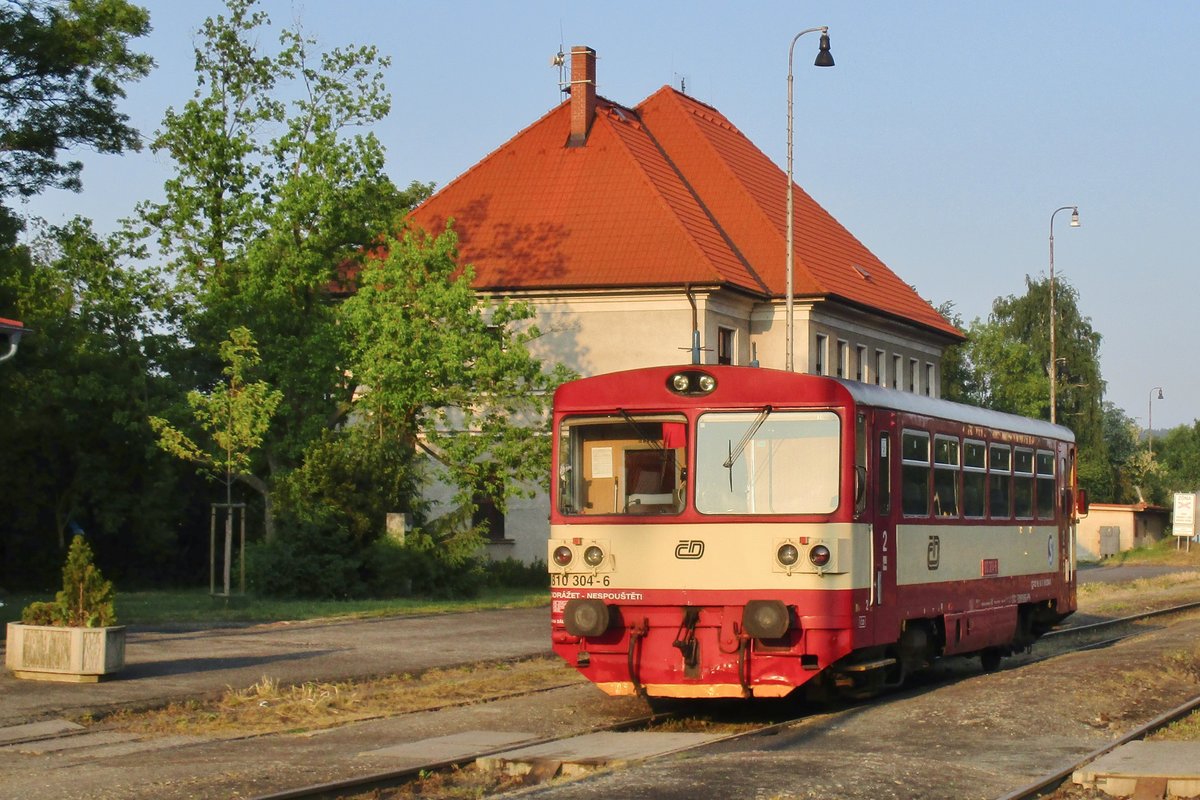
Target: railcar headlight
<point>586,617</point>
<point>692,382</point>
<point>593,556</point>
<point>766,619</point>
<point>787,555</point>
<point>563,555</point>
<point>819,555</point>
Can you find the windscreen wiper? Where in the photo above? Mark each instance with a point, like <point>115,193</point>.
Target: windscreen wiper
<point>638,430</point>
<point>736,452</point>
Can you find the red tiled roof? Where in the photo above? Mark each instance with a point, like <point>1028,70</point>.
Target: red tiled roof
<point>665,194</point>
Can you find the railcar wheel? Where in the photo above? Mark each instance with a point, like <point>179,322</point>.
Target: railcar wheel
<point>990,659</point>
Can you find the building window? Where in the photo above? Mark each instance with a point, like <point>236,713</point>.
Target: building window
<point>914,375</point>
<point>820,359</point>
<point>929,381</point>
<point>861,366</point>
<point>843,355</point>
<point>486,513</point>
<point>725,345</point>
<point>880,368</point>
<point>897,371</point>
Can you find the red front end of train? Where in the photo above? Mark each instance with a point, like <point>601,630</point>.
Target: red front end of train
<point>742,532</point>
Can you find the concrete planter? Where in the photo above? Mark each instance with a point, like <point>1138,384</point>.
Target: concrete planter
<point>72,655</point>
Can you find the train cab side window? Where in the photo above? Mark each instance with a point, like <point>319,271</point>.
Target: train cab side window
<point>1023,483</point>
<point>622,465</point>
<point>974,479</point>
<point>945,476</point>
<point>999,481</point>
<point>914,477</point>
<point>1045,484</point>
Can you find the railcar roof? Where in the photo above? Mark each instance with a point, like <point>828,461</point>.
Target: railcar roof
<point>777,382</point>
<point>872,395</point>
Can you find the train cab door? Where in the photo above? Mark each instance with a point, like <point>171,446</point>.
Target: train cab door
<point>883,511</point>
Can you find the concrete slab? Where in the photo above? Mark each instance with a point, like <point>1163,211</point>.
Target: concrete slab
<point>450,748</point>
<point>1175,764</point>
<point>72,742</point>
<point>37,730</point>
<point>583,754</point>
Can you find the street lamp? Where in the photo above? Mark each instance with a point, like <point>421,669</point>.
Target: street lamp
<point>1150,416</point>
<point>824,59</point>
<point>1053,355</point>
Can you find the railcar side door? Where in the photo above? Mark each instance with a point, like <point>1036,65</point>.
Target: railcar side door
<point>883,511</point>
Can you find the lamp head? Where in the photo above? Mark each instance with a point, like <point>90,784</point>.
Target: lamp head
<point>1075,217</point>
<point>1160,396</point>
<point>824,57</point>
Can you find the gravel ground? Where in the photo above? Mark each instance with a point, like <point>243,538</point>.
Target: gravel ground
<point>963,735</point>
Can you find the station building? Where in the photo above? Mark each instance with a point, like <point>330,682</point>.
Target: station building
<point>629,227</point>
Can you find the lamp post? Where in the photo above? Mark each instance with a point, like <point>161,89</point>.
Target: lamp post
<point>824,59</point>
<point>1053,354</point>
<point>1150,417</point>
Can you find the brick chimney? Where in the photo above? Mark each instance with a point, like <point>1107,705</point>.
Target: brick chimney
<point>583,94</point>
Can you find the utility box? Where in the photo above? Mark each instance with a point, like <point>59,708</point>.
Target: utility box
<point>1110,540</point>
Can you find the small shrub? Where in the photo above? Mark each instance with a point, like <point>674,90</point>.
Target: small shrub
<point>86,599</point>
<point>514,574</point>
<point>424,566</point>
<point>306,560</point>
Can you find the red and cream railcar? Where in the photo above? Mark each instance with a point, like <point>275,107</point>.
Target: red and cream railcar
<point>737,532</point>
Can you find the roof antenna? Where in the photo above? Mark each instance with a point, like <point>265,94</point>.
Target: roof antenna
<point>559,60</point>
<point>682,83</point>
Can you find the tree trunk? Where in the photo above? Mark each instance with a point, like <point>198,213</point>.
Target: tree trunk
<point>259,485</point>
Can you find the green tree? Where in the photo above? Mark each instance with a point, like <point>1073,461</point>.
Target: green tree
<point>234,416</point>
<point>73,423</point>
<point>268,200</point>
<point>63,68</point>
<point>446,373</point>
<point>1008,359</point>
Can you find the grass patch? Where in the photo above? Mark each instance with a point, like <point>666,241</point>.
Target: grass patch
<point>197,607</point>
<point>1181,730</point>
<point>1167,551</point>
<point>1143,594</point>
<point>267,707</point>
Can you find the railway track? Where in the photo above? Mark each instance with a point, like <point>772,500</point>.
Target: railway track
<point>382,781</point>
<point>1049,783</point>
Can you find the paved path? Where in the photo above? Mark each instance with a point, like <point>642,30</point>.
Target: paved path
<point>164,664</point>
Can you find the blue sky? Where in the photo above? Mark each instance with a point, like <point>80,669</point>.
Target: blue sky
<point>944,138</point>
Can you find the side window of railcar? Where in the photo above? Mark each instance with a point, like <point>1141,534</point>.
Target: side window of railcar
<point>1045,484</point>
<point>884,495</point>
<point>974,479</point>
<point>768,462</point>
<point>945,476</point>
<point>1023,482</point>
<point>622,465</point>
<point>999,481</point>
<point>914,477</point>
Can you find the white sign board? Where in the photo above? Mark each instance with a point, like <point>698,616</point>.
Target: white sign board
<point>1183,518</point>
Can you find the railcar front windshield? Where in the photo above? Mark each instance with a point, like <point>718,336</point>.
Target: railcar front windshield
<point>768,462</point>
<point>622,464</point>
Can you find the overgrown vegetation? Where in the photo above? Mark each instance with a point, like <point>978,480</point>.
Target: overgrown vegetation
<point>267,707</point>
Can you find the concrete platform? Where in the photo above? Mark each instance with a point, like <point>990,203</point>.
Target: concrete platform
<point>1145,770</point>
<point>450,748</point>
<point>582,754</point>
